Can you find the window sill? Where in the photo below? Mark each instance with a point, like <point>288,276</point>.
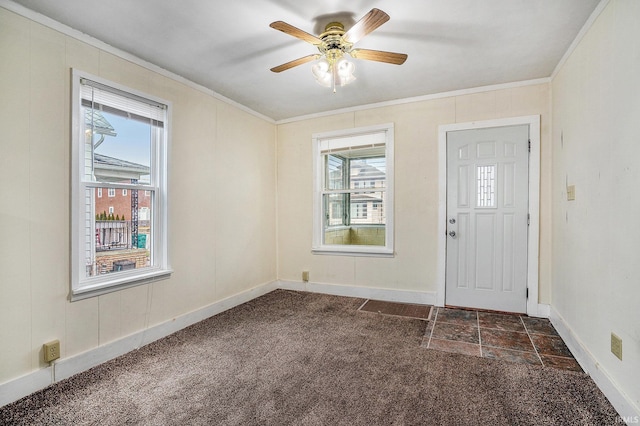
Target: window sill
<point>359,251</point>
<point>124,280</point>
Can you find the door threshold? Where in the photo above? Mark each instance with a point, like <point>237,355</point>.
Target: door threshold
<point>490,311</point>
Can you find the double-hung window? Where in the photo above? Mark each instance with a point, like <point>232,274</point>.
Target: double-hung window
<point>353,191</point>
<point>119,143</point>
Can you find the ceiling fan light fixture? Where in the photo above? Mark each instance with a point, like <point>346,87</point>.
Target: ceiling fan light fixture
<point>344,71</point>
<point>333,73</point>
<point>322,72</point>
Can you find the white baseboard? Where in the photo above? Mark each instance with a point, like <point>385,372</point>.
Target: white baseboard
<point>25,385</point>
<point>22,386</point>
<point>620,401</point>
<point>544,311</point>
<point>390,295</point>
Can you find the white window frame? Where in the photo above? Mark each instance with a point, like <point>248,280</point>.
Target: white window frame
<point>111,192</point>
<point>124,192</point>
<point>99,192</point>
<point>318,246</point>
<point>82,286</point>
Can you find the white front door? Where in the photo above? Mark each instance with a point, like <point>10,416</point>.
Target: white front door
<point>487,218</point>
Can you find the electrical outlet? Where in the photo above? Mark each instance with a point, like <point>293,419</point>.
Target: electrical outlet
<point>571,193</point>
<point>616,346</point>
<point>305,276</point>
<point>51,350</point>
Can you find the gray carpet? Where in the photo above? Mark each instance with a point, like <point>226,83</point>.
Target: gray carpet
<point>308,359</point>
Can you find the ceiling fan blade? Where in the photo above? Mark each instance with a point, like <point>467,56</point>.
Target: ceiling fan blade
<point>365,25</point>
<point>295,63</point>
<point>295,32</point>
<point>379,56</point>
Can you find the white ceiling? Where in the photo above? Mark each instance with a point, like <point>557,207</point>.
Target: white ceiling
<point>228,46</point>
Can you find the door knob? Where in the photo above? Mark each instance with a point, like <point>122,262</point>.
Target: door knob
<point>452,234</point>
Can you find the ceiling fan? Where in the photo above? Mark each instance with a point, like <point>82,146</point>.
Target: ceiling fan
<point>333,44</point>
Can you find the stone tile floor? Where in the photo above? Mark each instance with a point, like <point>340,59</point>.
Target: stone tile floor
<point>509,337</point>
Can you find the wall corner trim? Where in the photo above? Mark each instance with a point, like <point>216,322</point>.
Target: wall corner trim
<point>620,401</point>
<point>576,41</point>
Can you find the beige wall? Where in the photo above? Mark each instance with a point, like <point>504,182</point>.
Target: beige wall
<point>596,147</point>
<point>223,180</point>
<point>221,195</point>
<point>414,267</point>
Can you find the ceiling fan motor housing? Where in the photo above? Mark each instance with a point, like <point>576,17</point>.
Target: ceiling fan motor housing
<point>333,45</point>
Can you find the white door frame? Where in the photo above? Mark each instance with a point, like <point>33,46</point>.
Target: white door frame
<point>534,202</point>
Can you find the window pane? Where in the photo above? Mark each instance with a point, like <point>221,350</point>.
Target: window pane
<point>335,211</point>
<point>334,172</point>
<point>367,208</point>
<point>120,240</point>
<point>365,223</point>
<point>117,149</point>
<point>486,183</point>
<point>368,172</point>
<point>351,218</point>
